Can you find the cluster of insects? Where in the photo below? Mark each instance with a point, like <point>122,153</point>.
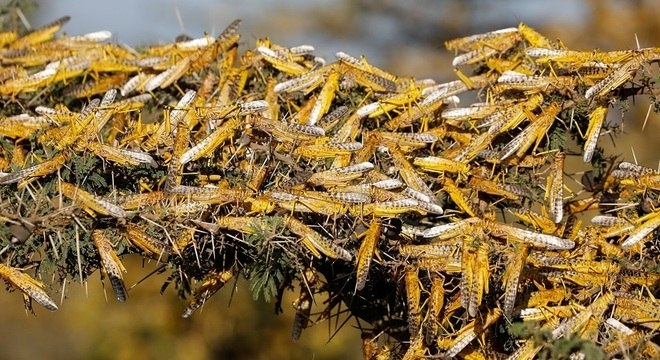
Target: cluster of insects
<point>439,226</point>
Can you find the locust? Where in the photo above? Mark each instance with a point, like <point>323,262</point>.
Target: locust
<point>31,288</point>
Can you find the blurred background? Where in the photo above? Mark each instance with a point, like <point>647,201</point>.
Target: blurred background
<point>405,38</point>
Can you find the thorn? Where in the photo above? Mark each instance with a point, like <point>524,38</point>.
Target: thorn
<point>648,113</point>
<point>179,18</point>
<point>24,19</point>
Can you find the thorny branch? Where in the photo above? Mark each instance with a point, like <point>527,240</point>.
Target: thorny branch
<point>445,229</point>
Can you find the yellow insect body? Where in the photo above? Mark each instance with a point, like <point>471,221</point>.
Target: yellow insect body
<point>281,62</point>
<point>41,34</point>
<point>529,348</point>
<point>486,48</point>
<point>467,43</point>
<point>324,149</point>
<point>512,278</point>
<point>23,125</point>
<point>137,201</point>
<point>112,266</point>
<point>325,98</point>
<point>579,265</point>
<point>303,305</point>
<point>26,175</point>
<point>478,144</point>
<point>213,282</point>
<point>144,242</point>
<point>596,309</point>
<point>439,164</point>
<point>92,88</point>
<point>452,229</point>
<point>532,133</point>
<point>435,304</point>
<point>30,287</point>
<point>546,296</point>
<point>91,202</point>
<point>306,82</point>
<point>550,312</point>
<point>413,294</point>
<point>644,229</point>
<point>533,37</point>
<point>624,342</point>
<point>409,175</point>
<point>366,252</point>
<point>407,142</point>
<point>28,84</point>
<point>641,311</point>
<point>533,238</point>
<point>459,198</point>
<point>383,106</point>
<point>121,156</point>
<point>477,279</point>
<point>210,143</point>
<point>513,80</point>
<point>7,37</point>
<point>470,332</point>
<point>596,120</point>
<point>493,188</point>
<point>209,195</point>
<point>422,110</point>
<point>340,176</point>
<point>555,187</point>
<point>315,242</point>
<point>428,250</point>
<point>618,77</point>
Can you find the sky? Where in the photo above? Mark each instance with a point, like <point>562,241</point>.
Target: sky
<point>356,27</point>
